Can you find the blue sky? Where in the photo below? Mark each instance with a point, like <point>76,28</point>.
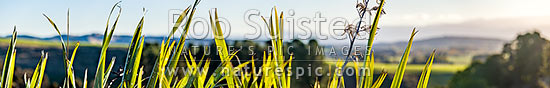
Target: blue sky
<point>480,18</point>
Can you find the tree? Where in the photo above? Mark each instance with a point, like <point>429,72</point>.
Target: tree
<point>523,63</point>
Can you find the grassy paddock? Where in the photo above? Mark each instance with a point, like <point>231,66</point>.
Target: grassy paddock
<point>436,68</point>
<point>414,68</point>
<point>440,76</point>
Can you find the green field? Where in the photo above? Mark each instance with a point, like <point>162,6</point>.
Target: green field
<point>436,68</point>
<point>440,76</point>
<point>441,68</point>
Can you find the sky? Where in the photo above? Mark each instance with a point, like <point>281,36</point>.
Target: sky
<point>502,19</point>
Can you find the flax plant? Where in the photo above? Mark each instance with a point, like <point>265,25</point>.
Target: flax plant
<point>226,68</point>
<point>163,74</point>
<point>9,62</point>
<point>365,80</point>
<point>103,72</point>
<point>276,58</point>
<point>68,63</point>
<point>425,76</point>
<point>398,77</point>
<point>131,77</point>
<point>36,80</point>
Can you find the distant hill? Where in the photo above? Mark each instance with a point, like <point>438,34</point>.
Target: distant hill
<point>450,49</point>
<point>452,45</point>
<point>469,44</point>
<point>97,38</point>
<point>463,44</point>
